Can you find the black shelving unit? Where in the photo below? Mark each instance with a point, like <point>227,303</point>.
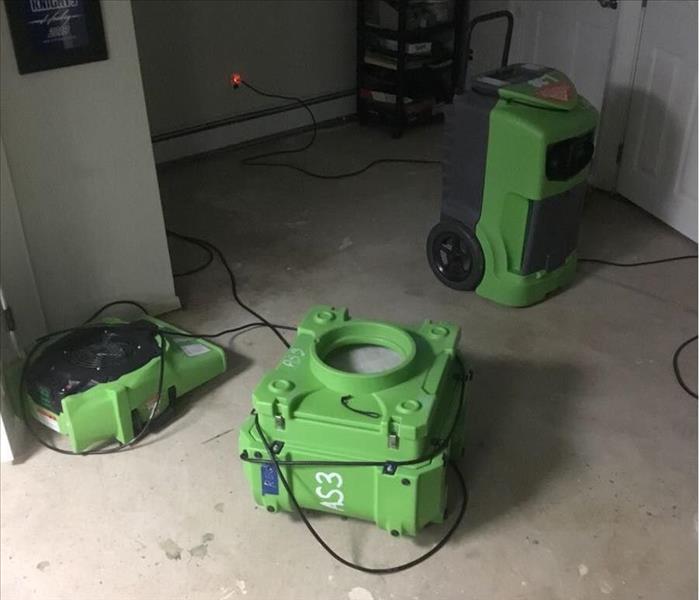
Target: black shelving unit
<point>400,87</point>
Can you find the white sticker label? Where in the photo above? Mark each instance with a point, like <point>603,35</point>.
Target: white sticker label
<point>46,418</point>
<point>194,349</point>
<point>191,347</point>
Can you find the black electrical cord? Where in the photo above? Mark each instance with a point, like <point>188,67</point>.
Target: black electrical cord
<point>375,570</point>
<point>439,445</point>
<point>643,263</point>
<point>393,465</point>
<point>210,249</point>
<point>98,312</point>
<point>91,318</point>
<point>209,259</point>
<point>372,414</point>
<point>231,276</point>
<point>314,130</point>
<point>211,336</point>
<point>676,366</point>
<point>258,160</point>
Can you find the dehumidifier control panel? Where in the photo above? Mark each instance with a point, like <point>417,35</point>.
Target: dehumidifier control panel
<point>534,85</point>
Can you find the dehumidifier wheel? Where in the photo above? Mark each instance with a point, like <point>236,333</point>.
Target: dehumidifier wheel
<point>455,255</point>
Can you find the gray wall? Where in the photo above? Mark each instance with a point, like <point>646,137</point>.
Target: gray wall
<point>81,163</point>
<point>189,48</point>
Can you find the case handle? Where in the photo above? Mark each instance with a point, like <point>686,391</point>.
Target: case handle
<point>491,16</point>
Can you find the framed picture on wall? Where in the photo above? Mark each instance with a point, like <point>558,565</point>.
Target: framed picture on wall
<point>49,34</point>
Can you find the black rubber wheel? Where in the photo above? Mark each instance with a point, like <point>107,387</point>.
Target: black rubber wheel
<point>455,255</point>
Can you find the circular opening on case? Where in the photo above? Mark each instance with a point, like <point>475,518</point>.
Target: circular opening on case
<point>363,358</point>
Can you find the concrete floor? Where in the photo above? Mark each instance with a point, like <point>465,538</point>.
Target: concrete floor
<point>582,451</point>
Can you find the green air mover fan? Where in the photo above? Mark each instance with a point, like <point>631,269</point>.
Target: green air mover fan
<point>99,383</point>
<point>399,426</point>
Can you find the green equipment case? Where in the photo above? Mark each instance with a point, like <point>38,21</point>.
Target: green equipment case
<point>518,149</point>
<point>310,410</point>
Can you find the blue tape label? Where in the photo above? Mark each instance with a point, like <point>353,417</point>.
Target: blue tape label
<point>270,481</point>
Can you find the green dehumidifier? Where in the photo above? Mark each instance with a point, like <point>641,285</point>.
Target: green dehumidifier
<point>518,148</point>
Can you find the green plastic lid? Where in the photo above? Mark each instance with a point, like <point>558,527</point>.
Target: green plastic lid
<point>533,85</point>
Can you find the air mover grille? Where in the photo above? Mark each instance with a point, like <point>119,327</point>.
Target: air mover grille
<point>90,356</point>
<point>105,353</point>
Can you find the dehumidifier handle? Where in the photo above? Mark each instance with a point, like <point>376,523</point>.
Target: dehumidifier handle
<point>497,14</point>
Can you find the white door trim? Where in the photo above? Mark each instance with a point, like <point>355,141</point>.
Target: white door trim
<point>17,290</point>
<point>658,170</point>
<point>617,95</point>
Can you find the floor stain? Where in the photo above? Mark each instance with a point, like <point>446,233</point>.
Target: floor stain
<point>202,549</point>
<point>43,565</point>
<point>199,551</point>
<point>171,549</point>
<point>605,587</point>
<point>219,507</point>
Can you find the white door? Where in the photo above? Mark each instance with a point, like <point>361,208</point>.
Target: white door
<point>574,36</point>
<point>18,292</point>
<point>659,161</point>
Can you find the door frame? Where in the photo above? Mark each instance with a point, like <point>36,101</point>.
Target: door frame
<point>18,292</point>
<point>618,93</point>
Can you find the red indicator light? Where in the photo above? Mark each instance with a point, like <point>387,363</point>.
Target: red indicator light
<point>236,79</point>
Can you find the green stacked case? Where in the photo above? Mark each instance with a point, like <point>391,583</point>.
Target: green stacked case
<point>311,411</point>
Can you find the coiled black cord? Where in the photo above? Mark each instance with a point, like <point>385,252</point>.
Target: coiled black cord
<point>163,333</point>
<point>209,247</point>
<point>209,259</point>
<point>644,263</point>
<point>259,160</point>
<point>676,366</point>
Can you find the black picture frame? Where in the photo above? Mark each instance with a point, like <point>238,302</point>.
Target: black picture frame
<point>51,34</point>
